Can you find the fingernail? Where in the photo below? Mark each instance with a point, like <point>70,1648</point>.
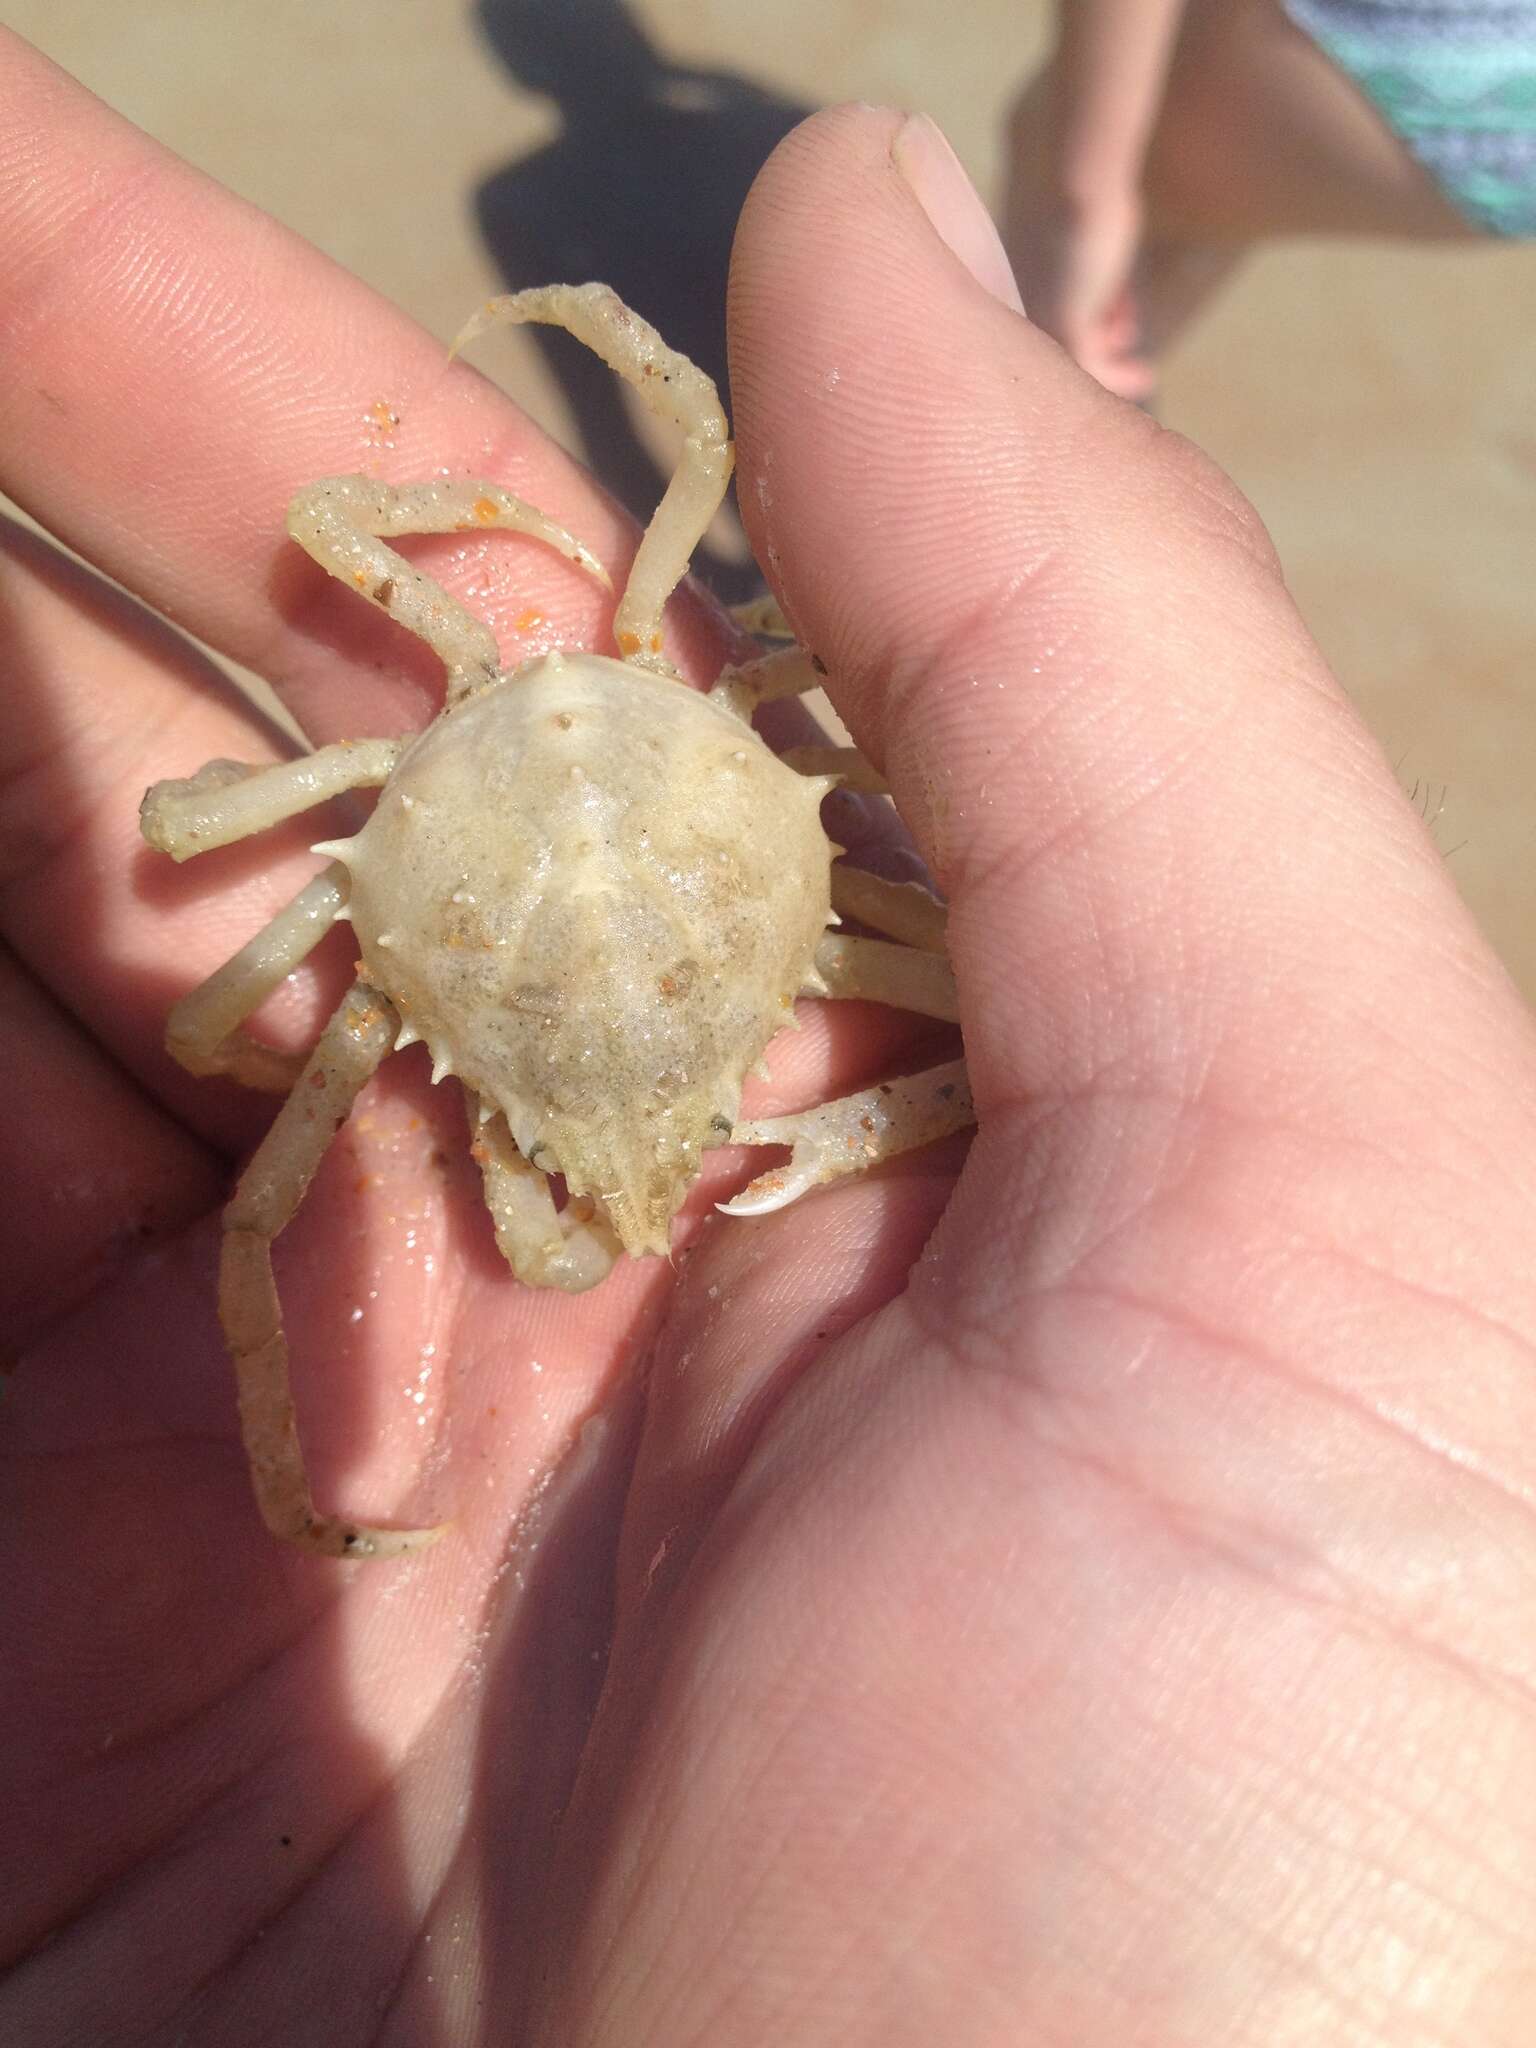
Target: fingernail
<point>938,182</point>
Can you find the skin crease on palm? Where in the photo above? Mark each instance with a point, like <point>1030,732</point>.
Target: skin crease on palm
<point>1116,1626</point>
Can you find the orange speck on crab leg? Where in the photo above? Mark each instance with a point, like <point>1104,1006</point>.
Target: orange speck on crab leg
<point>629,643</point>
<point>485,510</point>
<point>526,621</point>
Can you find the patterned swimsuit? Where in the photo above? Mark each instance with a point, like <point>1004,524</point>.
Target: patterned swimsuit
<point>1456,81</point>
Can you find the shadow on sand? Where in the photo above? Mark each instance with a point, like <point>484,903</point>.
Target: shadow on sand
<point>641,189</point>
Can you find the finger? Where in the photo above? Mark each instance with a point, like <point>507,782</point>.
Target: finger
<point>981,648</point>
<point>93,1171</point>
<point>1065,637</point>
<point>1195,924</point>
<point>177,366</point>
<point>101,698</point>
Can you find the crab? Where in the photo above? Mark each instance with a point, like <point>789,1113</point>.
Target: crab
<point>592,891</point>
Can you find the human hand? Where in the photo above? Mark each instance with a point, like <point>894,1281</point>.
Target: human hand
<point>1116,1635</point>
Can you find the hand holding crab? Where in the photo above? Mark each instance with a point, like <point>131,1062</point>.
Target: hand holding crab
<point>1099,1611</point>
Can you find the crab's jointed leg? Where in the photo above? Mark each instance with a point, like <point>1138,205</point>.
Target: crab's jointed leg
<point>675,390</point>
<point>852,1134</point>
<point>764,617</point>
<point>229,800</point>
<point>787,672</point>
<point>902,910</point>
<point>874,971</point>
<point>225,801</point>
<point>571,1249</point>
<point>203,1030</point>
<point>341,522</point>
<point>846,764</point>
<point>271,1188</point>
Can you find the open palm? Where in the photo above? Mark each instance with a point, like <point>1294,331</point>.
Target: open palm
<point>1114,1627</point>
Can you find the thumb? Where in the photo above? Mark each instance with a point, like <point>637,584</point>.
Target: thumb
<point>1178,868</point>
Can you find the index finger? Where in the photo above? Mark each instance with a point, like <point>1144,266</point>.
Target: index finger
<point>176,365</point>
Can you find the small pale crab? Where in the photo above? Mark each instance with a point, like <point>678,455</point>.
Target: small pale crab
<point>592,891</point>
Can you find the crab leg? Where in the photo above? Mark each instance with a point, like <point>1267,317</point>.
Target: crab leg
<point>873,971</point>
<point>203,1030</point>
<point>853,1134</point>
<point>846,764</point>
<point>341,521</point>
<point>764,617</point>
<point>229,800</point>
<point>791,672</point>
<point>902,910</point>
<point>271,1188</point>
<point>787,672</point>
<point>545,1247</point>
<point>675,390</point>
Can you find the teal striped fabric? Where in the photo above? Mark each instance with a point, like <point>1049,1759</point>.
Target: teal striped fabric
<point>1457,82</point>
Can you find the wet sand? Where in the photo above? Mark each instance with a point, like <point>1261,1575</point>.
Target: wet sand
<point>1378,404</point>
